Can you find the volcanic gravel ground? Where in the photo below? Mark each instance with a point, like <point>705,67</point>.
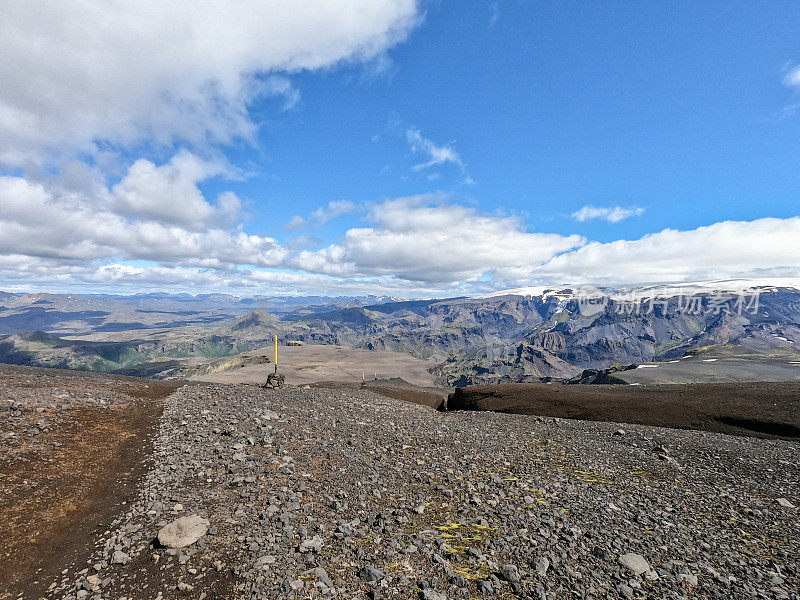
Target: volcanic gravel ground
<point>345,493</point>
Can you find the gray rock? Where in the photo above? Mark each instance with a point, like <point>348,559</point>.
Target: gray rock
<point>485,587</point>
<point>311,544</point>
<point>119,558</point>
<point>351,468</point>
<point>634,562</point>
<point>542,565</point>
<point>510,573</point>
<point>183,532</point>
<point>371,573</point>
<point>321,575</point>
<point>776,579</point>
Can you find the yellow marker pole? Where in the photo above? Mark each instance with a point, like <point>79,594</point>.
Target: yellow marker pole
<point>276,350</point>
<point>362,376</point>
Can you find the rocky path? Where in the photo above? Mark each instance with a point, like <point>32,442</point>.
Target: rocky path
<point>339,493</point>
<point>72,451</point>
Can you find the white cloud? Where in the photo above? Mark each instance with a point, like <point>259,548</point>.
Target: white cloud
<point>418,246</point>
<point>82,236</point>
<point>722,250</point>
<point>495,14</point>
<point>47,221</point>
<point>74,73</point>
<point>434,155</point>
<point>792,77</point>
<point>323,214</point>
<point>283,87</point>
<point>78,79</point>
<point>423,238</point>
<point>612,214</point>
<point>169,193</point>
<point>26,274</point>
<point>297,222</point>
<point>335,208</point>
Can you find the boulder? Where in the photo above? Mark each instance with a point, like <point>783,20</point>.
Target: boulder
<point>635,562</point>
<point>183,532</point>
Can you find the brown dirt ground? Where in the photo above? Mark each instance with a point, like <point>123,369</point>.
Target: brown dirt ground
<point>750,409</point>
<point>54,499</point>
<point>413,396</point>
<point>306,365</point>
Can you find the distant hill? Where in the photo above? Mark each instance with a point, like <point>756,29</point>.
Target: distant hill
<point>256,320</point>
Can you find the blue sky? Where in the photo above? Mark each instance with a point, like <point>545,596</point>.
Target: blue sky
<point>554,106</point>
<point>501,120</point>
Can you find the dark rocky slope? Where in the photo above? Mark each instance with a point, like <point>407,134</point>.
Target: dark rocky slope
<point>753,409</point>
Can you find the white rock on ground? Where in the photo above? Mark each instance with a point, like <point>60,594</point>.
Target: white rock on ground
<point>183,532</point>
<point>635,562</point>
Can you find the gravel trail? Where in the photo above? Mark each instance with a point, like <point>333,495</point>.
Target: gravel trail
<point>344,493</point>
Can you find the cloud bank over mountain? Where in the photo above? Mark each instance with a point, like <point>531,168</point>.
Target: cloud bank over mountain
<point>126,236</point>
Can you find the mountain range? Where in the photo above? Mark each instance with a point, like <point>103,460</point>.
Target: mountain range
<point>531,334</point>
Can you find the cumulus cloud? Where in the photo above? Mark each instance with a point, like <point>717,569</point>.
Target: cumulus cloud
<point>612,214</point>
<point>16,273</point>
<point>425,238</point>
<point>169,194</point>
<point>76,81</point>
<point>723,250</point>
<point>159,72</point>
<point>141,218</point>
<point>59,238</point>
